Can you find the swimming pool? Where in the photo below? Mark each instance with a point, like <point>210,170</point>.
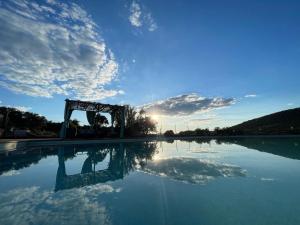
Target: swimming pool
<point>200,181</point>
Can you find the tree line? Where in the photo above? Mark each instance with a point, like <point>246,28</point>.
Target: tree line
<point>12,119</point>
<point>227,131</point>
<point>137,123</point>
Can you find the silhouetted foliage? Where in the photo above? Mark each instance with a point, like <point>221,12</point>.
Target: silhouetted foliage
<point>22,120</point>
<point>53,126</point>
<point>100,120</point>
<point>38,125</point>
<point>188,133</point>
<point>202,132</point>
<point>74,126</point>
<point>169,133</point>
<point>138,123</point>
<point>284,122</point>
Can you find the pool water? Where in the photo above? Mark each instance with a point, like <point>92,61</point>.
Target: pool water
<point>210,182</point>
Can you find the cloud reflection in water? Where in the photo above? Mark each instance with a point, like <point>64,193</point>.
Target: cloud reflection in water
<point>32,205</point>
<point>192,170</point>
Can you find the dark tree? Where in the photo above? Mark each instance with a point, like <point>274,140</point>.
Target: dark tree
<point>169,133</point>
<point>100,120</point>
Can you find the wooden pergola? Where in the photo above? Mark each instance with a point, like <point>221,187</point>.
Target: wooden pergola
<point>91,109</point>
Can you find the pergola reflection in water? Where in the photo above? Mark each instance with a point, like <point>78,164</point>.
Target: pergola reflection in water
<point>122,158</point>
<point>88,176</point>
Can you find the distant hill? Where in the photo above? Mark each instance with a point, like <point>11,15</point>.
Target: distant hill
<point>284,122</point>
<point>288,147</point>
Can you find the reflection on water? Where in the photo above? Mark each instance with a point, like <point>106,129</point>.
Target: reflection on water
<point>286,147</point>
<point>143,182</point>
<point>88,176</point>
<point>124,158</point>
<point>31,205</point>
<point>121,162</point>
<point>191,170</point>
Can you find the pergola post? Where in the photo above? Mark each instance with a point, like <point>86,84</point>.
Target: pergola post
<point>61,170</point>
<point>67,116</point>
<point>63,129</point>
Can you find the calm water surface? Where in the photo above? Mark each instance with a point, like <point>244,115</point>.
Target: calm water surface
<point>226,181</point>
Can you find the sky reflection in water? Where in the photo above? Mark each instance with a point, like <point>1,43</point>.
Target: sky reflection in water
<point>229,181</point>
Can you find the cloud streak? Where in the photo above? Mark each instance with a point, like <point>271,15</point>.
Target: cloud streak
<point>251,96</point>
<point>53,48</point>
<point>141,17</point>
<point>20,108</point>
<point>185,105</point>
<point>202,119</point>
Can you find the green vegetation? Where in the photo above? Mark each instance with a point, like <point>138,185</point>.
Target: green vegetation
<point>138,123</point>
<point>15,123</point>
<point>280,123</point>
<point>32,124</point>
<point>284,122</point>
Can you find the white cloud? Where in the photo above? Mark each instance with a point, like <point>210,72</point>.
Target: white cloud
<point>267,179</point>
<point>21,108</point>
<point>290,104</point>
<point>251,96</point>
<point>53,48</point>
<point>140,17</point>
<point>201,120</point>
<point>184,105</point>
<point>135,14</point>
<point>33,205</point>
<point>11,173</point>
<point>152,26</point>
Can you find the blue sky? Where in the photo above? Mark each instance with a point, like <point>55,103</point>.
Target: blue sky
<point>189,63</point>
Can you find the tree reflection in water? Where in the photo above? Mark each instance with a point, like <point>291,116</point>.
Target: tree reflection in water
<point>122,159</point>
<point>126,157</point>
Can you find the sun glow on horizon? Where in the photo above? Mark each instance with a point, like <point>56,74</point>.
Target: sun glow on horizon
<point>155,117</point>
